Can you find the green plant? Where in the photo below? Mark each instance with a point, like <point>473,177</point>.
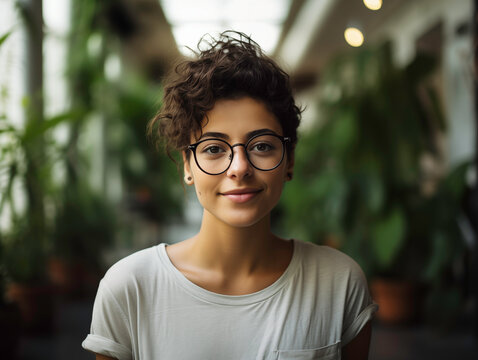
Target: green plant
<point>24,254</point>
<point>125,105</point>
<point>151,178</point>
<point>84,226</point>
<point>359,179</point>
<point>360,184</point>
<point>27,155</point>
<point>447,250</point>
<point>26,241</point>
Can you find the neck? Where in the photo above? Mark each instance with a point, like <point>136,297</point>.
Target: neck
<point>232,249</point>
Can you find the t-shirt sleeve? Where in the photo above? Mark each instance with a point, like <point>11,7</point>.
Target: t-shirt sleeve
<point>359,304</point>
<point>110,328</point>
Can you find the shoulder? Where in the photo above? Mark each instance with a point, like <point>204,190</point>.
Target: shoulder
<point>137,262</point>
<point>329,262</point>
<point>130,272</point>
<point>325,256</point>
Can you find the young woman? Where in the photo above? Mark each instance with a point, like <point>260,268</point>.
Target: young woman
<point>234,290</point>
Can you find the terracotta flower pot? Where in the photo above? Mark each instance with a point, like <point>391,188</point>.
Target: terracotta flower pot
<point>72,278</point>
<point>59,273</point>
<point>397,299</point>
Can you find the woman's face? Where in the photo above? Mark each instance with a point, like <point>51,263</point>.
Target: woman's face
<point>243,195</point>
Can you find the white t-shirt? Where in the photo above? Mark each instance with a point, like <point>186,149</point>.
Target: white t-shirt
<point>146,308</point>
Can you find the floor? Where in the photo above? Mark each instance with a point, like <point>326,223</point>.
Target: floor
<point>390,343</point>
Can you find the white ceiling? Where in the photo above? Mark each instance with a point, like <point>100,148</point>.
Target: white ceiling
<point>260,19</point>
<point>302,35</point>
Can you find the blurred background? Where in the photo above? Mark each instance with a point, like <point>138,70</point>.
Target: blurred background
<point>386,166</point>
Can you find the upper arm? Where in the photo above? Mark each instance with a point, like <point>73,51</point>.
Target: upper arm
<point>357,349</point>
<point>110,324</point>
<point>103,357</point>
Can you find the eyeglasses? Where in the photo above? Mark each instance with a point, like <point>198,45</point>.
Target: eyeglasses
<point>264,152</point>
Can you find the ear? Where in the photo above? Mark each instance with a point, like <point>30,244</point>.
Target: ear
<point>188,175</point>
<point>290,166</point>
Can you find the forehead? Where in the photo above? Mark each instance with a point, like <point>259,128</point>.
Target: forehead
<point>238,117</point>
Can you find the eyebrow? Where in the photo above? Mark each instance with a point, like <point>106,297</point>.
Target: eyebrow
<point>226,137</point>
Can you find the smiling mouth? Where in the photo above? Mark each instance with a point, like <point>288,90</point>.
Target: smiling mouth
<point>241,196</point>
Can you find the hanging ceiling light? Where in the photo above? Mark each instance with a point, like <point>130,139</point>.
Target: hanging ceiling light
<point>373,4</point>
<point>353,36</point>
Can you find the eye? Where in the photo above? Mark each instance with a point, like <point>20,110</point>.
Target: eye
<point>213,149</point>
<point>261,147</point>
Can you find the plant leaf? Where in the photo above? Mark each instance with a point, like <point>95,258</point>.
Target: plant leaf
<point>4,37</point>
<point>439,256</point>
<point>387,237</point>
<point>34,129</point>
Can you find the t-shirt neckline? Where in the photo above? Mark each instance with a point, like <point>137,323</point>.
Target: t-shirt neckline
<point>223,299</point>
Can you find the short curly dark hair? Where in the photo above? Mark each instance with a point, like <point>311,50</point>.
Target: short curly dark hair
<point>231,67</point>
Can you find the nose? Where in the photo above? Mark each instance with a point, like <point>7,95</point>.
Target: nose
<point>240,166</point>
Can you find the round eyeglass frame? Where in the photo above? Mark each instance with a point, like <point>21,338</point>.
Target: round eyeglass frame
<point>283,139</point>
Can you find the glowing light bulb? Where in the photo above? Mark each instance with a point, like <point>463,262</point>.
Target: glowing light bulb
<point>373,4</point>
<point>353,36</point>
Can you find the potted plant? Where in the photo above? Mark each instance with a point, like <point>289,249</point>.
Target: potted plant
<point>25,161</point>
<point>27,287</point>
<point>360,184</point>
<point>26,241</point>
<point>84,227</point>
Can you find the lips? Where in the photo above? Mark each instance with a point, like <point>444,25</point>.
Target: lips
<point>241,195</point>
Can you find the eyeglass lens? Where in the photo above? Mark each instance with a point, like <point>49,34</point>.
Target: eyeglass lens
<point>265,152</point>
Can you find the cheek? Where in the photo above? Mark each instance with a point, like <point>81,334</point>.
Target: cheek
<point>200,196</point>
<point>277,192</point>
<point>276,187</point>
<point>205,187</point>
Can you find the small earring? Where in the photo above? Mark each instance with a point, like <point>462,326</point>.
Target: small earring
<point>289,176</point>
<point>188,179</point>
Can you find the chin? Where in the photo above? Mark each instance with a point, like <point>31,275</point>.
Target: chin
<point>242,220</point>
